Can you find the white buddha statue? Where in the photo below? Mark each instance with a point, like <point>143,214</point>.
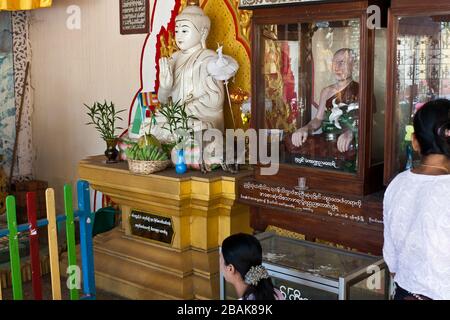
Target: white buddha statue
<point>184,75</point>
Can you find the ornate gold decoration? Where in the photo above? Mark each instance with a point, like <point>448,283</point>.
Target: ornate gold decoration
<point>171,44</point>
<point>245,19</point>
<point>185,3</point>
<point>239,96</point>
<point>294,235</point>
<point>336,245</point>
<point>193,3</point>
<point>168,47</point>
<point>164,52</point>
<point>266,3</point>
<point>285,233</point>
<point>277,117</point>
<point>182,5</point>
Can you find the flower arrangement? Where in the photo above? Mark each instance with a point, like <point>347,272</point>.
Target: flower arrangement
<point>342,116</point>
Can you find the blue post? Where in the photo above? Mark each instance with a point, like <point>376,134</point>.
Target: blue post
<point>87,252</point>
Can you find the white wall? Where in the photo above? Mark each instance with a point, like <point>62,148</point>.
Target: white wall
<point>72,67</point>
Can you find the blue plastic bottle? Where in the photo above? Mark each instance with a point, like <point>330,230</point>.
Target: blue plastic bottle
<point>180,166</point>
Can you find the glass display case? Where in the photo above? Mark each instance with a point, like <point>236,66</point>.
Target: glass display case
<point>319,85</point>
<point>420,62</point>
<point>314,87</point>
<point>302,270</point>
<point>310,75</point>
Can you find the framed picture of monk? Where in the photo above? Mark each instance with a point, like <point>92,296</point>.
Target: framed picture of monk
<point>311,73</point>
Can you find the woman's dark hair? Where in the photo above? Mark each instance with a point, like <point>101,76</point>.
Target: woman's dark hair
<point>431,126</point>
<point>244,251</point>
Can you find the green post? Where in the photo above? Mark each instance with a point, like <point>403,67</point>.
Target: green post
<point>14,248</point>
<point>71,250</point>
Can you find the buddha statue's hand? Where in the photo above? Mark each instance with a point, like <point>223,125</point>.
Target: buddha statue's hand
<point>344,141</point>
<point>165,74</point>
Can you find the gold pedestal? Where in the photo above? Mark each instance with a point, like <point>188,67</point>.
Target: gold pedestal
<point>203,211</point>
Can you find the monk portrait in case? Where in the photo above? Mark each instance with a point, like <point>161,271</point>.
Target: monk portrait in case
<point>336,140</point>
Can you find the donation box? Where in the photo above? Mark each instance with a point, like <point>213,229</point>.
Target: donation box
<point>303,270</point>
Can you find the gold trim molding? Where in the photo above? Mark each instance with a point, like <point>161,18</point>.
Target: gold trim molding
<point>268,3</point>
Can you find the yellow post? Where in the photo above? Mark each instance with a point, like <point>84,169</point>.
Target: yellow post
<point>53,244</point>
<point>1,297</point>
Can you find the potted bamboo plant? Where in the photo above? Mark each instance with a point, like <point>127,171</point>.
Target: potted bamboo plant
<point>103,117</point>
<point>179,124</point>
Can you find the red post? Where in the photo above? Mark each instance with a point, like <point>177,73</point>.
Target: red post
<point>34,246</point>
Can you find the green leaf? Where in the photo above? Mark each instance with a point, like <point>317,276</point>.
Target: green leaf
<point>103,117</point>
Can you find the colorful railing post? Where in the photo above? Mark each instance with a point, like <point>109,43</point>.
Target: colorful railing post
<point>70,233</point>
<point>53,244</point>
<point>34,246</point>
<point>86,225</point>
<point>86,218</point>
<point>14,248</point>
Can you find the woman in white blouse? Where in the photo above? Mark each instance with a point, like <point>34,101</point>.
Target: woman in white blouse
<point>417,212</point>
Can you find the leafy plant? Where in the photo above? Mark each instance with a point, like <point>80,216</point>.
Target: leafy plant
<point>103,117</point>
<point>145,153</point>
<point>177,118</point>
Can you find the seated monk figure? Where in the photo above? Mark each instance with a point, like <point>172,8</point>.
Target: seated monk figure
<point>345,90</point>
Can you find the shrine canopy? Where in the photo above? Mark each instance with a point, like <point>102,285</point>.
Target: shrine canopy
<point>13,5</point>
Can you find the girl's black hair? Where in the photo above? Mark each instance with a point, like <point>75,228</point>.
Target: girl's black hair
<point>431,122</point>
<point>244,251</point>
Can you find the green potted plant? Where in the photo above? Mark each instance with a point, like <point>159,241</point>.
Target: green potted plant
<point>177,119</point>
<point>103,117</point>
<point>179,124</point>
<point>146,158</point>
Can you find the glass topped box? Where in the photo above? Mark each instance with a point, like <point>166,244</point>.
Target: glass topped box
<point>305,270</point>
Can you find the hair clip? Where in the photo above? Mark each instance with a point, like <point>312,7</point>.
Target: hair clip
<point>256,274</point>
<point>444,130</point>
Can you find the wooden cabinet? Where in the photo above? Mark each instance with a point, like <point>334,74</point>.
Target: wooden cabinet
<point>322,65</point>
<point>419,70</point>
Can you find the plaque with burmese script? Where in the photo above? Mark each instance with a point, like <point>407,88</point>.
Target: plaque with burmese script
<point>308,202</point>
<point>134,16</point>
<point>151,226</point>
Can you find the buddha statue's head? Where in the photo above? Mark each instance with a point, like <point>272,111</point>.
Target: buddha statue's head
<point>343,62</point>
<point>192,27</point>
